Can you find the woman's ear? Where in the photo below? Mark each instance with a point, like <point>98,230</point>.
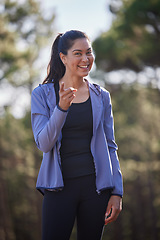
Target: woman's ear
<point>62,57</point>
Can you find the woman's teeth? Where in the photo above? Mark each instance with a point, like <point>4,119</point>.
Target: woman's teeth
<point>83,66</point>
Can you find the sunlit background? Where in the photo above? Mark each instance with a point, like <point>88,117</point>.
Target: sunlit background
<point>126,43</point>
<point>92,17</point>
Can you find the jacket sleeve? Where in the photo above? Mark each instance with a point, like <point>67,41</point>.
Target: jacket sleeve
<point>46,128</point>
<point>112,146</point>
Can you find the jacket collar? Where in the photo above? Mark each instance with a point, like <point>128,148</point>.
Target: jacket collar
<point>97,104</point>
<point>94,87</point>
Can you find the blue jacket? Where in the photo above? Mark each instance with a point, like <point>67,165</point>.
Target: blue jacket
<point>47,122</point>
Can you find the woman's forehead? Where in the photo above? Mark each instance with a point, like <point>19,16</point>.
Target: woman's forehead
<point>81,44</point>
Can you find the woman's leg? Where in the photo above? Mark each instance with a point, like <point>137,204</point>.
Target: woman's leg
<point>91,212</point>
<point>58,214</point>
<point>79,197</point>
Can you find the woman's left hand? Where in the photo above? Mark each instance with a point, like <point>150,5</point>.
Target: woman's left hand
<point>113,209</point>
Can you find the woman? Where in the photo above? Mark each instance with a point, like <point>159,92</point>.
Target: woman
<point>72,123</point>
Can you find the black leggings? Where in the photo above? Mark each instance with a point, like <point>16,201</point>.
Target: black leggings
<point>78,200</point>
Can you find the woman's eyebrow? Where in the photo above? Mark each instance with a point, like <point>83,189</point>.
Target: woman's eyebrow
<point>80,50</point>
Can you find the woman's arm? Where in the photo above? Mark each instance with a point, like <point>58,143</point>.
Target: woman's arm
<point>46,129</point>
<point>115,202</point>
<point>112,146</point>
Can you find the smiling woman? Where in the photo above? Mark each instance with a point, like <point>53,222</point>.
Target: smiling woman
<point>72,123</point>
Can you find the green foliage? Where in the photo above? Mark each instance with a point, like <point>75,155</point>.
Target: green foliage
<point>20,161</point>
<point>134,38</point>
<point>133,42</point>
<point>24,30</point>
<point>140,107</point>
<point>137,130</point>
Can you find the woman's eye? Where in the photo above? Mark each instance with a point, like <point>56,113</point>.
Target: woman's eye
<point>77,54</point>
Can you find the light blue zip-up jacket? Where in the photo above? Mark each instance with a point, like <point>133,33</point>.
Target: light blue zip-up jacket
<point>47,122</point>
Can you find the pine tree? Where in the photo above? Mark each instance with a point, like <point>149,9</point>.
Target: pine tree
<point>133,41</point>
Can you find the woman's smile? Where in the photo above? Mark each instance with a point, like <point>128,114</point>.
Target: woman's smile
<point>84,66</point>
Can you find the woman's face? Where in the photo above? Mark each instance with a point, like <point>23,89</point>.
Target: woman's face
<point>79,58</point>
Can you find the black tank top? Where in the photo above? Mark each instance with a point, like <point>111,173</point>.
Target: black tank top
<point>77,131</point>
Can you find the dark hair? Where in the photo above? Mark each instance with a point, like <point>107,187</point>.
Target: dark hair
<point>62,43</point>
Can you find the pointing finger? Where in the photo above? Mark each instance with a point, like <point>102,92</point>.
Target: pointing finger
<point>62,87</point>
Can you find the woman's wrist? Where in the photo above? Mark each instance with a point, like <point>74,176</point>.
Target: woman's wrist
<point>61,109</point>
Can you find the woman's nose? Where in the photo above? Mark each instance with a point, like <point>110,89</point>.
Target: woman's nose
<point>84,58</point>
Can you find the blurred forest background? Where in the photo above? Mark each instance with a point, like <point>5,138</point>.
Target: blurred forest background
<point>128,65</point>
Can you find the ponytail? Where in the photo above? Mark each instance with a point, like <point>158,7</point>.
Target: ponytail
<point>55,68</point>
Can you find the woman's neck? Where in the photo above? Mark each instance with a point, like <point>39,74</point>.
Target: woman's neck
<point>72,82</point>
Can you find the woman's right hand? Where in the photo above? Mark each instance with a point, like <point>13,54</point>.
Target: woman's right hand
<point>66,96</point>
